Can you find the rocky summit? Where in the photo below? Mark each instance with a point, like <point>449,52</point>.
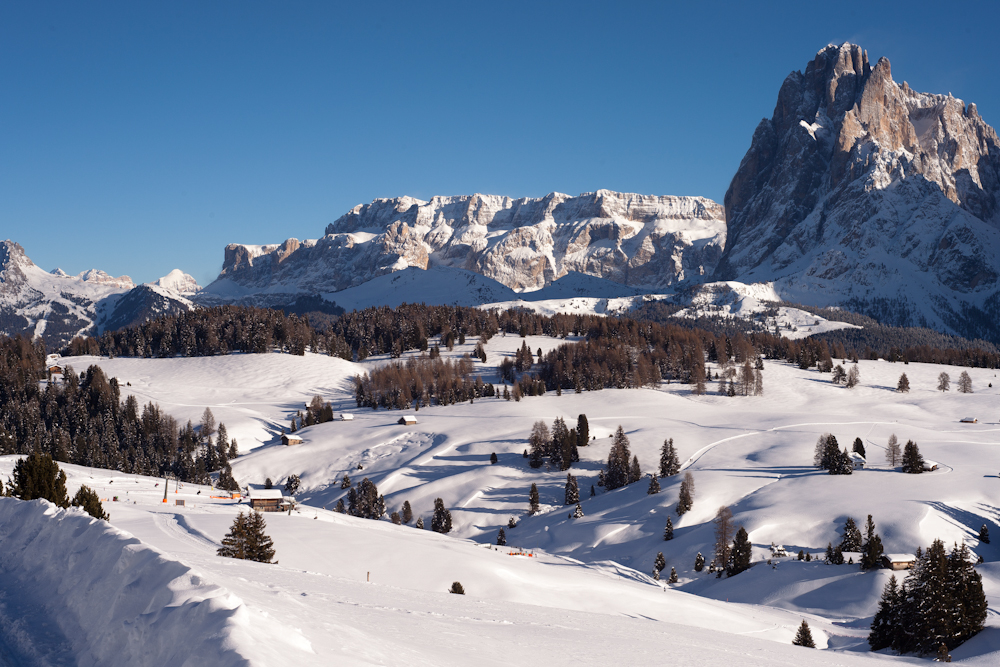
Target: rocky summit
<point>860,190</point>
<point>524,244</point>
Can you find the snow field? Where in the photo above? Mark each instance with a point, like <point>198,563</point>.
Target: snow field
<point>754,454</point>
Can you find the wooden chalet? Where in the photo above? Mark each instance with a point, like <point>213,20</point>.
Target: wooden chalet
<point>266,500</point>
<point>288,439</point>
<point>407,420</point>
<point>969,420</point>
<point>898,561</point>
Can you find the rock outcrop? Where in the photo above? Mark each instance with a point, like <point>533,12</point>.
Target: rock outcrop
<point>525,244</point>
<point>861,190</point>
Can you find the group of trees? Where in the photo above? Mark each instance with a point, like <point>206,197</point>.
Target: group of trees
<point>558,445</point>
<point>870,546</point>
<point>420,380</point>
<point>623,467</point>
<point>38,476</point>
<point>247,540</point>
<point>940,603</point>
<point>84,420</point>
<point>733,551</point>
<point>827,456</point>
<point>365,502</point>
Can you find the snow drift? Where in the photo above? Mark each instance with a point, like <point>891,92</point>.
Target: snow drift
<point>112,599</point>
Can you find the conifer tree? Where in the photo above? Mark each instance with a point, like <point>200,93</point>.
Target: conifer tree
<point>886,623</point>
<point>804,636</point>
<point>420,523</point>
<point>582,431</point>
<point>913,462</point>
<point>292,484</point>
<point>699,562</point>
<point>984,534</point>
<point>346,482</point>
<point>38,476</point>
<point>247,540</point>
<point>871,550</point>
<point>340,509</point>
<point>654,485</point>
<point>457,588</point>
<point>578,512</point>
<point>493,458</point>
<point>852,537</point>
<point>407,512</point>
<point>668,532</point>
<point>669,464</point>
<point>512,523</point>
<point>859,447</point>
<point>88,500</point>
<point>501,538</point>
<point>741,554</point>
<point>673,576</point>
<point>396,519</point>
<point>441,521</point>
<point>572,490</point>
<point>660,562</point>
<point>533,499</point>
<point>635,472</point>
<point>618,471</point>
<point>686,498</point>
<point>903,386</point>
<point>539,443</point>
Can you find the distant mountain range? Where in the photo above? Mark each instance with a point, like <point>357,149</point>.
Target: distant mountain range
<point>858,191</point>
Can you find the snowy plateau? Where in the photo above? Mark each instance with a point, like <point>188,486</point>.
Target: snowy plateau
<point>150,589</point>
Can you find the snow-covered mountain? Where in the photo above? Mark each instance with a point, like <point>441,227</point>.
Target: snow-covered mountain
<point>56,306</point>
<point>178,282</point>
<point>524,244</point>
<point>862,190</point>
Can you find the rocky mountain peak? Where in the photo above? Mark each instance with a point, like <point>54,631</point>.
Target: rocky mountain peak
<point>854,171</point>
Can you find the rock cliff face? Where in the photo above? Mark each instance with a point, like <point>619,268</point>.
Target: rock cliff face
<point>525,244</point>
<point>862,190</point>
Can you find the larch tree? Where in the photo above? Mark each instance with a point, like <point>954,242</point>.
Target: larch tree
<point>903,386</point>
<point>965,383</point>
<point>893,452</point>
<point>853,377</point>
<point>686,498</point>
<point>944,382</point>
<point>725,529</point>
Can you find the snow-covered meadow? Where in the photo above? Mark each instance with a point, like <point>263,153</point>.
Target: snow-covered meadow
<point>358,591</point>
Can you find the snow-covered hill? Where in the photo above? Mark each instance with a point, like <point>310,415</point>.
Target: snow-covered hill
<point>524,244</point>
<point>753,454</point>
<point>861,189</point>
<point>56,306</point>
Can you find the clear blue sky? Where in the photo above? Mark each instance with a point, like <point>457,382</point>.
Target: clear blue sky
<point>138,137</point>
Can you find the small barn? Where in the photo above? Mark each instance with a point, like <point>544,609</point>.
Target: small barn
<point>969,420</point>
<point>266,500</point>
<point>290,439</point>
<point>898,561</point>
<point>346,417</point>
<point>55,370</point>
<point>857,461</point>
<point>407,420</point>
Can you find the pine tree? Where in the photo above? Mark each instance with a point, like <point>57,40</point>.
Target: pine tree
<point>871,550</point>
<point>457,588</point>
<point>827,453</point>
<point>673,576</point>
<point>654,485</point>
<point>268,483</point>
<point>396,519</point>
<point>539,443</point>
<point>660,562</point>
<point>340,509</point>
<point>635,472</point>
<point>88,500</point>
<point>984,534</point>
<point>247,540</point>
<point>582,431</point>
<point>944,382</point>
<point>578,512</point>
<point>839,375</point>
<point>493,458</point>
<point>533,499</point>
<point>441,521</point>
<point>859,447</point>
<point>804,636</point>
<point>669,464</point>
<point>913,462</point>
<point>572,491</point>
<point>668,532</point>
<point>686,498</point>
<point>292,484</point>
<point>893,452</point>
<point>903,386</point>
<point>618,471</point>
<point>699,562</point>
<point>885,625</point>
<point>420,522</point>
<point>511,523</point>
<point>741,554</point>
<point>502,538</point>
<point>407,512</point>
<point>852,537</point>
<point>346,482</point>
<point>38,476</point>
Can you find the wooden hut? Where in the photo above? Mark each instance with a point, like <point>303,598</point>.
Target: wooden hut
<point>290,439</point>
<point>407,420</point>
<point>266,500</point>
